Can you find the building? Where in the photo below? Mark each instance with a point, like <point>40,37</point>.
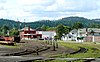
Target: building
<point>75,35</point>
<point>47,34</point>
<point>93,35</point>
<point>81,35</point>
<point>28,33</point>
<point>71,36</point>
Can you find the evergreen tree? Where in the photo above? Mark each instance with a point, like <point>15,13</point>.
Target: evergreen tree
<point>60,30</point>
<point>77,25</point>
<point>4,30</point>
<point>44,27</point>
<point>14,32</point>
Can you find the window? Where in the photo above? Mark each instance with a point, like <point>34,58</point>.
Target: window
<point>69,36</point>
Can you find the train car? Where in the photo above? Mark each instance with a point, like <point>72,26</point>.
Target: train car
<point>9,40</point>
<point>13,38</point>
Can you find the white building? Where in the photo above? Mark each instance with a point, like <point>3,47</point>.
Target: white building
<point>75,35</point>
<point>80,35</point>
<point>71,36</point>
<point>47,34</point>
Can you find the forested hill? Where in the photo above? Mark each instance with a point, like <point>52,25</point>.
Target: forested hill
<point>68,21</point>
<point>7,22</point>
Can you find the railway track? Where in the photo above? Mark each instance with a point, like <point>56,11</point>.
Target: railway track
<point>26,51</point>
<point>81,50</point>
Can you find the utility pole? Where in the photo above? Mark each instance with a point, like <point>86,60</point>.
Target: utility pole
<point>24,23</point>
<point>18,24</point>
<point>54,47</point>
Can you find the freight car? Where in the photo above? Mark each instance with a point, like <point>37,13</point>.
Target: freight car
<point>9,40</point>
<point>13,38</point>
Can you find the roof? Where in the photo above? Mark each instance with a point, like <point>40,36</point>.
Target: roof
<point>29,34</point>
<point>89,30</point>
<point>94,29</point>
<point>74,31</point>
<point>26,28</point>
<point>82,30</point>
<point>69,35</point>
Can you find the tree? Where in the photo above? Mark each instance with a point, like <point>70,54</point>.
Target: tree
<point>77,25</point>
<point>94,26</point>
<point>4,29</point>
<point>51,28</point>
<point>39,28</point>
<point>66,29</point>
<point>0,31</point>
<point>60,31</point>
<point>14,32</point>
<point>44,27</point>
<point>92,32</point>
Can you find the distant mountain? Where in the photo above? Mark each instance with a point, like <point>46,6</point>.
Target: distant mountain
<point>96,19</point>
<point>7,22</point>
<point>10,23</point>
<point>68,21</point>
<point>71,20</point>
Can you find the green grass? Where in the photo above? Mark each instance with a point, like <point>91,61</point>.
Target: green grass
<point>84,55</point>
<point>70,45</point>
<point>50,61</point>
<point>57,61</point>
<point>92,52</point>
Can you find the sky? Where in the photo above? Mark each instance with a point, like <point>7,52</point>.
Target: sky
<point>35,10</point>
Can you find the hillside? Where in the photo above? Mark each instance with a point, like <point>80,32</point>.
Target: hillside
<point>10,23</point>
<point>68,21</point>
<point>71,20</point>
<point>96,19</point>
<point>7,22</point>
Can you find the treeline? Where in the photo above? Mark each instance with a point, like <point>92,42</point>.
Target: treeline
<point>69,21</point>
<point>6,31</point>
<point>62,26</point>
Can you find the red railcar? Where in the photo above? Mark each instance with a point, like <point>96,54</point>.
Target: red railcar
<point>9,40</point>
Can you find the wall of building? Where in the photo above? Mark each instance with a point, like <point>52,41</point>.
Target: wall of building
<point>96,38</point>
<point>92,39</point>
<point>29,34</point>
<point>88,39</point>
<point>47,34</point>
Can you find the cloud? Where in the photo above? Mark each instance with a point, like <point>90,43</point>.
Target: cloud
<point>73,6</point>
<point>34,10</point>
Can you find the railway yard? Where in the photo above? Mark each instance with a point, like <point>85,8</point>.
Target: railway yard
<point>41,51</point>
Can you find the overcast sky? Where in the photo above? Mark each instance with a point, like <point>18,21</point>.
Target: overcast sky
<point>34,10</point>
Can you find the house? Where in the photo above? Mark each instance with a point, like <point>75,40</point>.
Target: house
<point>72,35</point>
<point>28,33</point>
<point>75,35</point>
<point>85,34</point>
<point>47,34</point>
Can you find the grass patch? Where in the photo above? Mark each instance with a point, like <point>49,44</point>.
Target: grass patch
<point>50,61</point>
<point>93,50</point>
<point>58,61</point>
<point>84,55</point>
<point>70,45</point>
